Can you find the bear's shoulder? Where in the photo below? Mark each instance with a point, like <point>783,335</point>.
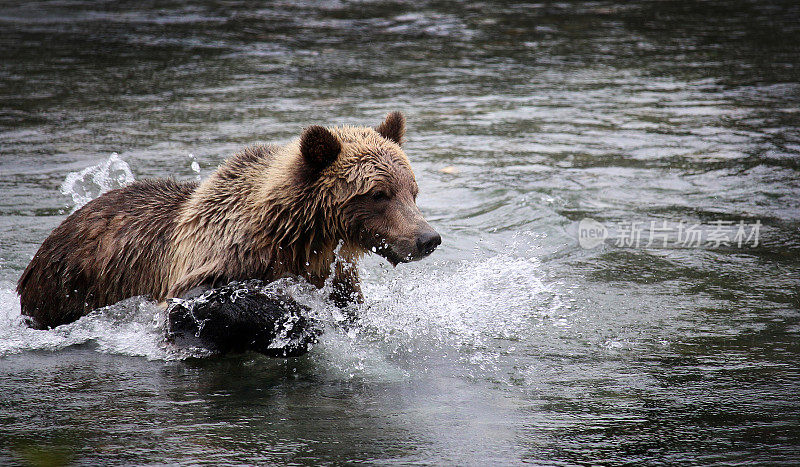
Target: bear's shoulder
<point>247,159</point>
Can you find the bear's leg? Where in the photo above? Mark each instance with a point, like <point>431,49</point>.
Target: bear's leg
<point>242,316</point>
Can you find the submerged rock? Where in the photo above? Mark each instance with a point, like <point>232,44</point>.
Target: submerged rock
<point>242,316</point>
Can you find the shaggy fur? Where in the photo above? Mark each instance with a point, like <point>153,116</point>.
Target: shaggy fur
<point>110,249</point>
<point>266,213</point>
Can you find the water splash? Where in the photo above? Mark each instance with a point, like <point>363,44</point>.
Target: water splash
<point>89,183</point>
<point>469,312</point>
<point>499,297</point>
<point>465,312</point>
<point>195,166</point>
<point>132,327</point>
<point>461,317</point>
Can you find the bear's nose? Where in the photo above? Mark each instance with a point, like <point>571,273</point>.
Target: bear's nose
<point>427,242</point>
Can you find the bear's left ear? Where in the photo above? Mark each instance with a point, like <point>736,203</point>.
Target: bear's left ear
<point>393,128</point>
<point>319,147</point>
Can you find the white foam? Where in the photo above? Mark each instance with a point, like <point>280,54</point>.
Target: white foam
<point>463,315</point>
<point>473,304</point>
<point>132,327</point>
<point>89,183</point>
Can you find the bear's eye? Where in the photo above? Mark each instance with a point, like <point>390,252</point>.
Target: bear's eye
<point>380,195</point>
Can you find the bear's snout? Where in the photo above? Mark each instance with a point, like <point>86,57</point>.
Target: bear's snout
<point>427,242</point>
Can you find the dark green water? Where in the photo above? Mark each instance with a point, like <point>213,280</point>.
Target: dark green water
<point>511,343</point>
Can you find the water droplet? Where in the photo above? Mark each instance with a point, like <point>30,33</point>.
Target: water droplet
<point>195,165</point>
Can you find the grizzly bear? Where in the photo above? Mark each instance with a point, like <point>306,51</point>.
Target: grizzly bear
<point>308,209</point>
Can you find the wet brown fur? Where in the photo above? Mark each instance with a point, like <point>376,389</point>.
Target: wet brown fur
<point>267,212</point>
<point>112,248</point>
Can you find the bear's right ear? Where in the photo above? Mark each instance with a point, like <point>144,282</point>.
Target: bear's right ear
<point>319,147</point>
<point>393,128</point>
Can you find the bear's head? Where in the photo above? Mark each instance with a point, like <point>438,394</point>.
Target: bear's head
<point>365,183</point>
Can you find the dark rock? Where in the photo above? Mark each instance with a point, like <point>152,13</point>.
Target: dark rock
<point>242,316</point>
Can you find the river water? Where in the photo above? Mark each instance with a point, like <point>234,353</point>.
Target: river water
<point>512,343</point>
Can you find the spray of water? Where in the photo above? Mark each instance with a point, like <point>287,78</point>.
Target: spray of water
<point>132,327</point>
<point>195,166</point>
<point>91,182</point>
